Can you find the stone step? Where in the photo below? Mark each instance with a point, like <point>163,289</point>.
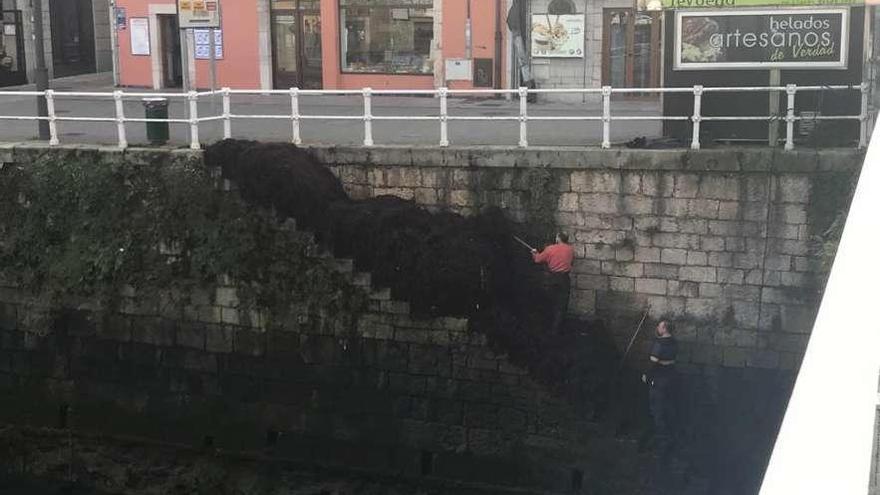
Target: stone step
<point>381,294</point>
<point>289,224</point>
<point>362,279</point>
<point>342,265</point>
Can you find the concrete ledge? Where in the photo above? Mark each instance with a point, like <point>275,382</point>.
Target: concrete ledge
<point>738,159</point>
<point>752,159</point>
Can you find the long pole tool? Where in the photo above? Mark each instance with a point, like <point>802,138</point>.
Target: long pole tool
<point>524,243</point>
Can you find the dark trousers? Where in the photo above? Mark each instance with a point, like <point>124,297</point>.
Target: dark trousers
<point>661,401</point>
<point>560,288</point>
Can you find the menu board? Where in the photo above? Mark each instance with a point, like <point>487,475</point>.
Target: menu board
<point>198,13</point>
<point>750,39</point>
<point>558,35</point>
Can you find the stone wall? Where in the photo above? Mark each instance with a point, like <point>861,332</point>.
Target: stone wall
<point>720,240</point>
<point>396,394</point>
<point>375,389</point>
<point>728,243</point>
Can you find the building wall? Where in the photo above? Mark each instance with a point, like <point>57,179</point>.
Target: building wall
<point>241,55</point>
<point>27,14</point>
<point>239,68</point>
<point>103,34</point>
<point>101,17</point>
<point>248,54</point>
<point>482,34</point>
<point>576,72</point>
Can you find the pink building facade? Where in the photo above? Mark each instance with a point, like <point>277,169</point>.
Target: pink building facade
<point>329,44</point>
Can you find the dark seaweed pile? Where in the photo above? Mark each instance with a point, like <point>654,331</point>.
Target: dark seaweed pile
<point>442,263</point>
<point>279,176</point>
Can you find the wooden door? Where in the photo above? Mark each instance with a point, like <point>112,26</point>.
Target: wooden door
<point>630,48</point>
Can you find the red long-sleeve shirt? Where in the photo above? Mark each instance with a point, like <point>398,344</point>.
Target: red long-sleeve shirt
<point>557,256</point>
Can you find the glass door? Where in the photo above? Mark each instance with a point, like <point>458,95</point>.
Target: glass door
<point>284,46</point>
<point>631,49</point>
<point>296,44</point>
<point>310,28</point>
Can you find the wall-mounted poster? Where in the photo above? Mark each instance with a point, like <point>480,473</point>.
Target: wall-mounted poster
<point>202,38</point>
<point>752,39</point>
<point>558,35</point>
<point>140,36</point>
<point>120,18</point>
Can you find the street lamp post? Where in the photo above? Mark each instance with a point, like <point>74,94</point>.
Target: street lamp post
<point>41,73</point>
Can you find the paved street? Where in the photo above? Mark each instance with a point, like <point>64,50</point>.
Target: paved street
<point>560,133</point>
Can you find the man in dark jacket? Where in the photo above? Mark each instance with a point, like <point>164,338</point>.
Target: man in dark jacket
<point>661,378</point>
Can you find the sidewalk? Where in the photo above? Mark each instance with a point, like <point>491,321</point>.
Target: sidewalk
<point>323,131</point>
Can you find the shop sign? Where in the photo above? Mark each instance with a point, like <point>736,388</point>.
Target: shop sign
<point>794,39</point>
<point>730,4</point>
<point>558,35</point>
<point>198,13</point>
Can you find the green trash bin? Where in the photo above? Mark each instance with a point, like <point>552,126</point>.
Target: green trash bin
<point>156,108</point>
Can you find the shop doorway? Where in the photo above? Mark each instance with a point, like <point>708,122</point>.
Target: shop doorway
<point>631,49</point>
<point>296,45</point>
<point>73,37</point>
<point>12,63</point>
<point>172,63</point>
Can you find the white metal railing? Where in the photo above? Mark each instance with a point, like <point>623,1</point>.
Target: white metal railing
<point>296,118</point>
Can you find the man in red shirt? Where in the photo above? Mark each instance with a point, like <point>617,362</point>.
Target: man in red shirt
<point>558,258</point>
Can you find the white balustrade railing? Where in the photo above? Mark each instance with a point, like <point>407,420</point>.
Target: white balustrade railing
<point>296,118</point>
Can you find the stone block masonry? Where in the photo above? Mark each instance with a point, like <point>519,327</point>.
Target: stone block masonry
<point>367,386</point>
<point>727,242</point>
<point>721,241</point>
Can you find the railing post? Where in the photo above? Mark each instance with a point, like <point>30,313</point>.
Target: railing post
<point>53,123</point>
<point>697,117</point>
<point>295,136</point>
<point>193,98</point>
<point>227,114</point>
<point>120,119</point>
<point>444,117</point>
<point>606,117</point>
<point>790,91</point>
<point>368,117</point>
<point>863,117</point>
<point>523,117</point>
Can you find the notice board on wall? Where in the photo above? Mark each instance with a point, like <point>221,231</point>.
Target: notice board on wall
<point>140,35</point>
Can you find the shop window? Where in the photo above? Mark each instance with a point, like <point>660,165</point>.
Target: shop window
<point>386,36</point>
<point>561,7</point>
